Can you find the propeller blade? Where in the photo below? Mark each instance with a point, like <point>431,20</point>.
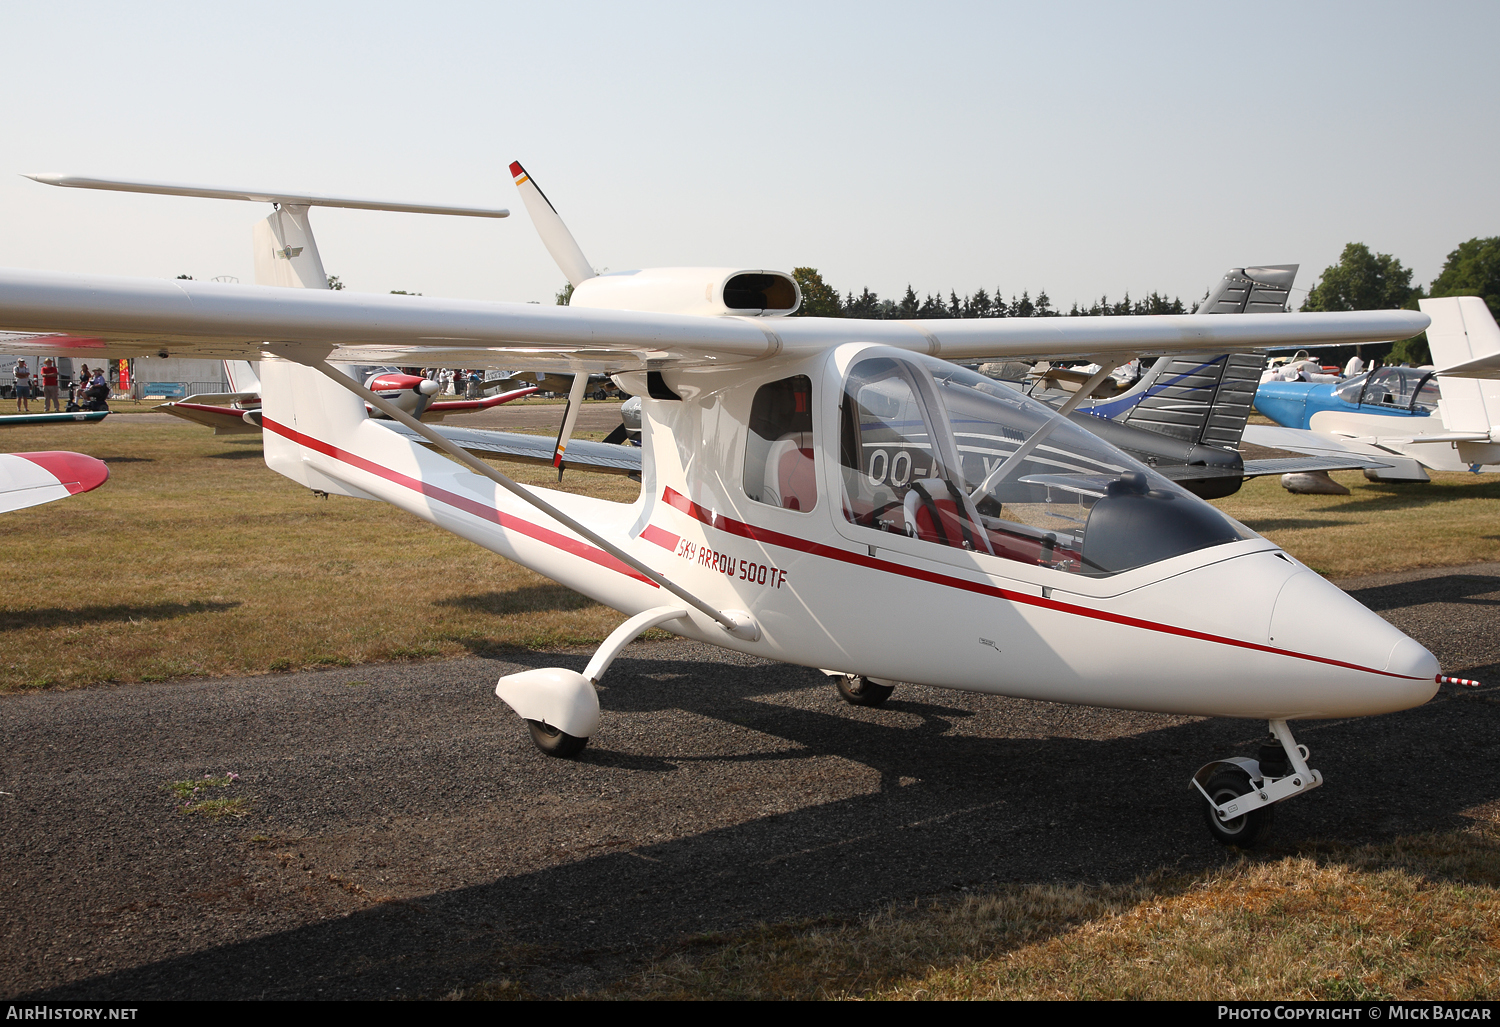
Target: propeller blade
<point>570,418</point>
<point>555,235</point>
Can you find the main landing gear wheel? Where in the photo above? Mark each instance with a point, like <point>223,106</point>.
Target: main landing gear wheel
<point>554,742</point>
<point>1245,831</point>
<point>861,691</point>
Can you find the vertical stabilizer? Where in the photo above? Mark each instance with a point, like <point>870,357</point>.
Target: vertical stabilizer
<point>311,411</point>
<point>1463,330</point>
<point>286,254</point>
<point>1251,290</point>
<point>242,376</point>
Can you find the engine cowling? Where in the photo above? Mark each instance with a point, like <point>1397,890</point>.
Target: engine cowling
<point>710,291</point>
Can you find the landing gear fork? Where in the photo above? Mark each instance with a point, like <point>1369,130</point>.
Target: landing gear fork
<point>1240,792</point>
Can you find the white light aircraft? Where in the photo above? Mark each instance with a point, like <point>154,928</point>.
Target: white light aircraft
<point>823,492</point>
<point>1461,433</point>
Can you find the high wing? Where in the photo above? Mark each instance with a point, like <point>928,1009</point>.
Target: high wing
<point>92,315</point>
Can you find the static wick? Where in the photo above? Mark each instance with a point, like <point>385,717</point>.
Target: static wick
<point>1444,679</point>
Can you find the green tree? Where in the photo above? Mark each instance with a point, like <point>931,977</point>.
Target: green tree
<point>909,305</point>
<point>1362,280</point>
<point>335,282</point>
<point>819,299</point>
<point>1472,270</point>
<point>867,304</point>
<point>565,295</point>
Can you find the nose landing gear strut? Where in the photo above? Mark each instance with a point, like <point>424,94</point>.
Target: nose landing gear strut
<point>1240,792</point>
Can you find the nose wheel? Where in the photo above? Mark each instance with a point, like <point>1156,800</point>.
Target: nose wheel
<point>1246,830</point>
<point>1240,794</point>
<point>554,742</point>
<point>857,690</point>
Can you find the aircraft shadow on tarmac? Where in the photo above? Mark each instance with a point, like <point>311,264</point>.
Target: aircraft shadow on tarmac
<point>950,812</point>
<point>1469,589</point>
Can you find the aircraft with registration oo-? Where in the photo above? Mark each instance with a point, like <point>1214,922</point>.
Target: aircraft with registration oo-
<point>817,491</point>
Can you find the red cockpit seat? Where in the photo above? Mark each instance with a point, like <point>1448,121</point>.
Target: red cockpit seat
<point>790,472</point>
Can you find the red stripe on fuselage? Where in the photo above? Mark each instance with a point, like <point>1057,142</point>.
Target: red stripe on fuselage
<point>680,502</point>
<point>661,537</point>
<point>470,506</point>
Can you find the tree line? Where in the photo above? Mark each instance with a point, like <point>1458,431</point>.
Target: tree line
<point>819,299</point>
<point>1362,280</point>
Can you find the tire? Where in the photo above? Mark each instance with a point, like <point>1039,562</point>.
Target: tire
<point>860,691</point>
<point>1246,831</point>
<point>554,742</point>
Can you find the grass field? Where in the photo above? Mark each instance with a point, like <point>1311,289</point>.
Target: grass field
<point>195,559</point>
<point>1414,918</point>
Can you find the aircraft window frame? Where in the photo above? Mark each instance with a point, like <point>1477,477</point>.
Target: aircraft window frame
<point>780,431</point>
<point>1430,378</point>
<point>1036,509</point>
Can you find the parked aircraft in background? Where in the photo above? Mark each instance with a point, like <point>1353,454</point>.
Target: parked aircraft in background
<point>823,492</point>
<point>238,412</point>
<point>1415,419</point>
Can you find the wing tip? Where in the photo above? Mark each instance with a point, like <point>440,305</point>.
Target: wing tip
<point>74,471</point>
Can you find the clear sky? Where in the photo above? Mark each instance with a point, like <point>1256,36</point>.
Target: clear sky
<point>1080,148</point>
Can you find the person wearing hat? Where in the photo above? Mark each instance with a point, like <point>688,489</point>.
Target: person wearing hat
<point>23,387</point>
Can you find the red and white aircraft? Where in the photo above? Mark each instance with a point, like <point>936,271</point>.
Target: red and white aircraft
<point>824,492</point>
<point>238,412</point>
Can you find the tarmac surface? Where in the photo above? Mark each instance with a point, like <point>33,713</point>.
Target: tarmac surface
<point>405,839</point>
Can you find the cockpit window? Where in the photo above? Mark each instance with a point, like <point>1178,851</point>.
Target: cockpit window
<point>779,454</point>
<point>1394,388</point>
<point>950,457</point>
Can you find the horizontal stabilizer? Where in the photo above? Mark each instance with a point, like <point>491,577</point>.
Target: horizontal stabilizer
<point>223,420</point>
<point>583,455</point>
<point>286,199</point>
<point>1309,464</point>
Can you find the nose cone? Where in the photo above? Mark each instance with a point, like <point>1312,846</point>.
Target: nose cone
<point>1385,670</point>
<point>428,387</point>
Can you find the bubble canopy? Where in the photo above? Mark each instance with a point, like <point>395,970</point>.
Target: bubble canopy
<point>947,456</point>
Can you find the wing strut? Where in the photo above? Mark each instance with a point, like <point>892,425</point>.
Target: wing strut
<point>738,624</point>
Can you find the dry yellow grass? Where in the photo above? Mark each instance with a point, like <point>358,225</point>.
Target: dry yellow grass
<point>1454,520</point>
<point>1415,918</point>
<point>195,558</point>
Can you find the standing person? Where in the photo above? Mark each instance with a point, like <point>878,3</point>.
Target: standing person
<point>49,387</point>
<point>23,387</point>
